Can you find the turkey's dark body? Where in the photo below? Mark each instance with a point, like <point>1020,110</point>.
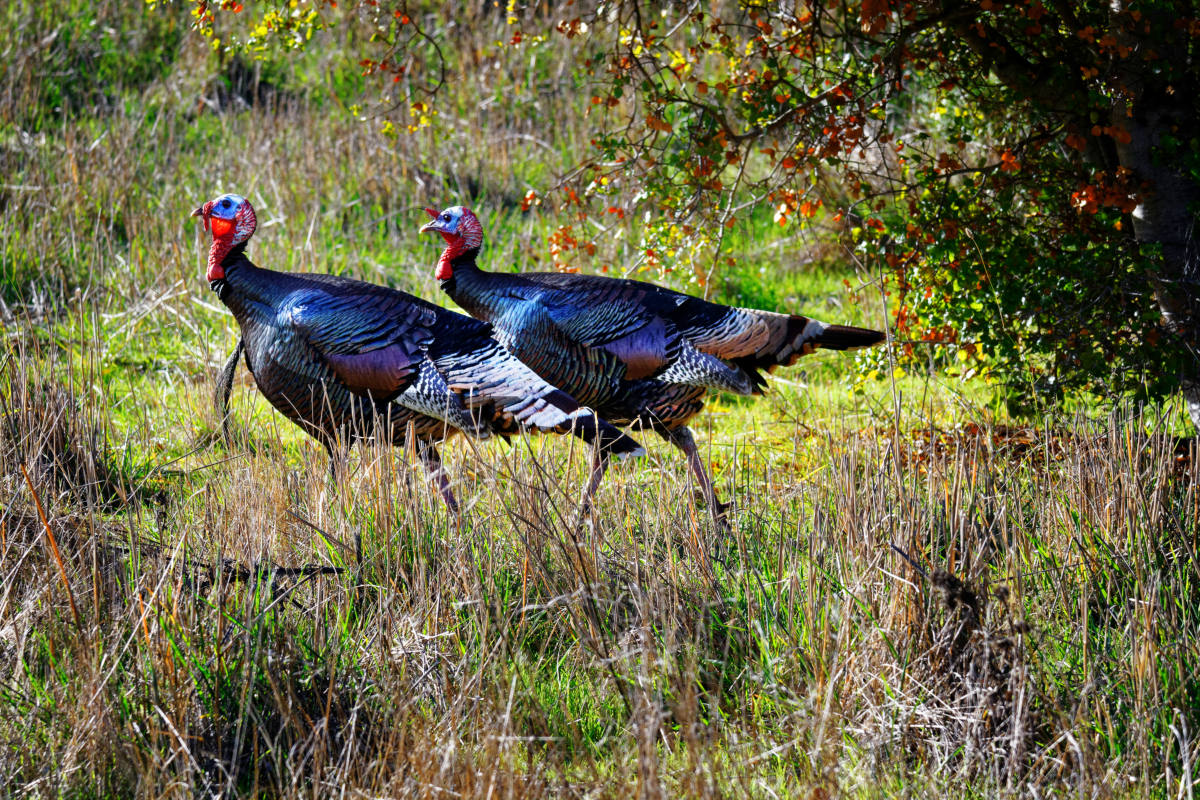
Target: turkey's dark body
<point>295,379</point>
<point>347,360</point>
<point>638,353</point>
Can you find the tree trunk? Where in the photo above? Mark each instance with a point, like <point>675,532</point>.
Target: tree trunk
<point>1190,386</point>
<point>1167,217</point>
<point>1161,103</point>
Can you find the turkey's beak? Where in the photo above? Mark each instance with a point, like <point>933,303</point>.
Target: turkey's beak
<point>434,224</point>
<point>199,212</point>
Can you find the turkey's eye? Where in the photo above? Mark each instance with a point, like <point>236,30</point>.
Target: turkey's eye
<point>445,217</point>
<point>225,203</point>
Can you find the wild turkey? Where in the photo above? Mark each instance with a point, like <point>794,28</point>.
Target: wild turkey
<point>347,360</point>
<point>636,352</point>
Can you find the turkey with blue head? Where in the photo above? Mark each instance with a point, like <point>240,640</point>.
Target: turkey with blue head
<point>348,360</point>
<point>636,352</point>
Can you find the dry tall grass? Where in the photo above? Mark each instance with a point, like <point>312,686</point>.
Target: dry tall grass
<point>1009,612</point>
<point>917,599</point>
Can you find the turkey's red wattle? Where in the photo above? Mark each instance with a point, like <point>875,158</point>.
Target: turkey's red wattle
<point>216,254</point>
<point>445,270</point>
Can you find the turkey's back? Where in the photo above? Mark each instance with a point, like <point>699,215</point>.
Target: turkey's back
<point>592,361</point>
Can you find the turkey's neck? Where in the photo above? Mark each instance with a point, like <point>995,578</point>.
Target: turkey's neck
<point>468,286</point>
<point>248,291</point>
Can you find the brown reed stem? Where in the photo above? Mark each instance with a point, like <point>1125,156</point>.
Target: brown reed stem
<point>62,570</point>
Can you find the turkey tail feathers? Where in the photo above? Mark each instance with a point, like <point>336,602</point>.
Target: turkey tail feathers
<point>803,335</point>
<point>848,337</point>
<point>519,397</point>
<point>792,336</point>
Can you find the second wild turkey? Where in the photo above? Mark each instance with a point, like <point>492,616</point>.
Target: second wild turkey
<point>348,360</point>
<point>636,352</point>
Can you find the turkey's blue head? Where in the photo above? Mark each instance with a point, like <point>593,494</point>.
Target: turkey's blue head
<point>231,219</point>
<point>462,232</point>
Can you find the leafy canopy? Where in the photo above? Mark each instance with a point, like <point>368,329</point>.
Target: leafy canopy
<point>965,154</point>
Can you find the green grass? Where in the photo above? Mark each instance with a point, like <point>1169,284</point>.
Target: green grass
<point>920,596</point>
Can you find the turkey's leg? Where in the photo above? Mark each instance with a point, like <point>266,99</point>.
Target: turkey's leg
<point>682,438</point>
<point>599,465</point>
<point>437,475</point>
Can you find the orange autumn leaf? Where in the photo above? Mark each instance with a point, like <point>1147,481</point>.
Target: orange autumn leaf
<point>1086,200</point>
<point>658,124</point>
<point>874,15</point>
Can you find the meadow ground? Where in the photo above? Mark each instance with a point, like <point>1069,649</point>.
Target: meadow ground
<point>920,597</point>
